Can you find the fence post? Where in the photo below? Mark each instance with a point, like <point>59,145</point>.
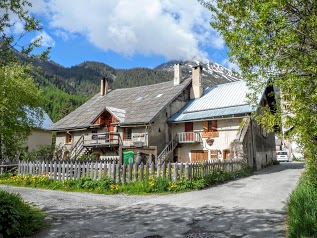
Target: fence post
<point>63,171</point>
<point>99,170</point>
<point>152,169</point>
<point>158,170</point>
<point>175,172</point>
<point>124,173</point>
<point>169,171</point>
<point>118,172</point>
<point>164,170</point>
<point>113,173</point>
<point>141,171</point>
<point>95,170</point>
<point>187,171</point>
<point>1,169</point>
<point>181,170</point>
<point>130,172</point>
<point>147,170</point>
<point>135,171</point>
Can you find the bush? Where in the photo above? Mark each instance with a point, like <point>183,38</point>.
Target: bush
<point>302,208</point>
<point>18,219</point>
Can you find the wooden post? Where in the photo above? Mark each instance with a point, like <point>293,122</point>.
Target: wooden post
<point>158,174</point>
<point>175,172</point>
<point>130,172</point>
<point>63,171</point>
<point>169,171</point>
<point>141,171</point>
<point>95,170</point>
<point>135,171</point>
<point>55,171</point>
<point>147,170</point>
<point>187,171</point>
<point>164,170</point>
<point>59,171</point>
<point>118,172</point>
<point>153,169</point>
<point>181,170</point>
<point>124,173</point>
<point>113,173</point>
<point>99,170</point>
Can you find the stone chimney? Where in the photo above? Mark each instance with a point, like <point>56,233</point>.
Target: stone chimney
<point>197,87</point>
<point>177,74</point>
<point>107,87</point>
<point>102,86</point>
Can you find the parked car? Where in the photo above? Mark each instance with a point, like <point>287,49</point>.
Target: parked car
<point>282,156</point>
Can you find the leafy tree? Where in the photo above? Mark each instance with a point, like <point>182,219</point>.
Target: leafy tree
<point>19,98</point>
<point>275,43</point>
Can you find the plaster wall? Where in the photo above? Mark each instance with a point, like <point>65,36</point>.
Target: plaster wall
<point>38,138</point>
<point>227,128</point>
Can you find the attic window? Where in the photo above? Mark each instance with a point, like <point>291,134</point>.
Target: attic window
<point>160,95</point>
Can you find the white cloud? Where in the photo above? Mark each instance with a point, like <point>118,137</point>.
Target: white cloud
<point>176,29</point>
<point>46,39</point>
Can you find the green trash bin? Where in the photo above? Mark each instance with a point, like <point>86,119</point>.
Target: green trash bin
<point>128,157</point>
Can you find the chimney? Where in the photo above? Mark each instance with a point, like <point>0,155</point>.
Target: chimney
<point>102,86</point>
<point>107,87</point>
<point>197,87</point>
<point>177,74</point>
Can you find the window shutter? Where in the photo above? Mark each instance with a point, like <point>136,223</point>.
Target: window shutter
<point>205,126</point>
<point>214,125</point>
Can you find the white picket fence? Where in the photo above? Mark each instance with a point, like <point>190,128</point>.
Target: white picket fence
<point>64,170</point>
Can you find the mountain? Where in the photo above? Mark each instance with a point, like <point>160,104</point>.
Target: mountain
<point>65,89</point>
<point>213,73</point>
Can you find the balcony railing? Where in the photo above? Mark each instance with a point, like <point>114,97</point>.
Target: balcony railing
<point>189,137</point>
<point>102,139</point>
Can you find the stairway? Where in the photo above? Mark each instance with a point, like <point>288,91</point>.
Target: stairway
<point>167,152</point>
<point>77,149</point>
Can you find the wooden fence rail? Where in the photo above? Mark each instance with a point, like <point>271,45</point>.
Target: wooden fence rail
<point>64,170</point>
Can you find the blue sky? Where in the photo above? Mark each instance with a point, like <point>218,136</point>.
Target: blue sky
<point>125,33</point>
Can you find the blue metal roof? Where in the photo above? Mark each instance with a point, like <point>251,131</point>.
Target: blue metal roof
<point>220,100</point>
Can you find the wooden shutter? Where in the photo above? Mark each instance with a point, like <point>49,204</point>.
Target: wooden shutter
<point>214,125</point>
<point>205,126</point>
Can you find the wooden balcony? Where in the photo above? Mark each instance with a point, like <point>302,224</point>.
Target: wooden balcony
<point>189,137</point>
<point>108,139</point>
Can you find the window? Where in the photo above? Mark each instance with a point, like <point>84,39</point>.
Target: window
<point>127,133</point>
<point>210,126</point>
<point>68,137</point>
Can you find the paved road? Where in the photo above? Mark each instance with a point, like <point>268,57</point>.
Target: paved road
<point>249,207</point>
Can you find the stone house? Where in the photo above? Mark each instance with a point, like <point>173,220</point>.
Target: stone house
<point>217,124</point>
<point>174,121</point>
<point>115,121</point>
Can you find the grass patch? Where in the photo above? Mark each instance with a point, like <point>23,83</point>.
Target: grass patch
<point>18,219</point>
<point>105,185</point>
<point>302,208</point>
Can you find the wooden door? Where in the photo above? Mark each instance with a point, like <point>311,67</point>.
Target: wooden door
<point>199,156</point>
<point>189,127</point>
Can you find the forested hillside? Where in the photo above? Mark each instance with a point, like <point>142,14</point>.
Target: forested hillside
<point>65,89</point>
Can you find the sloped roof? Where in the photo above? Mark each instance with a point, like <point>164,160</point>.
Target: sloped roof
<point>220,100</point>
<point>131,106</point>
<point>44,124</point>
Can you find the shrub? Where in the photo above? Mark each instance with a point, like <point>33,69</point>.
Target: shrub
<point>17,217</point>
<point>302,208</point>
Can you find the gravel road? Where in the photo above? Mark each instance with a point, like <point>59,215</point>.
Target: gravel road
<point>249,207</point>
